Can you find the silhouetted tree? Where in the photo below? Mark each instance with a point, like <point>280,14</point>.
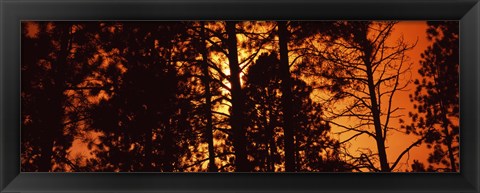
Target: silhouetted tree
<point>56,59</point>
<point>364,72</point>
<point>264,121</point>
<point>314,149</point>
<point>208,101</point>
<point>218,46</point>
<point>436,97</point>
<point>286,85</point>
<point>237,99</point>
<point>201,96</point>
<point>148,115</point>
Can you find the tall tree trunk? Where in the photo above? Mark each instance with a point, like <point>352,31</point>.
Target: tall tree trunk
<point>266,158</point>
<point>168,146</point>
<point>287,97</point>
<point>148,118</point>
<point>53,125</point>
<point>212,167</point>
<point>379,138</point>
<point>443,114</point>
<point>449,148</point>
<point>272,146</point>
<point>268,141</point>
<point>448,137</point>
<point>237,100</point>
<point>147,163</point>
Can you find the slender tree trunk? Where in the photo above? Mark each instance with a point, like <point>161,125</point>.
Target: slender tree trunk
<point>449,148</point>
<point>237,100</point>
<point>375,107</point>
<point>45,161</point>
<point>147,164</point>
<point>266,159</point>
<point>448,138</point>
<point>53,125</point>
<point>148,119</point>
<point>268,142</point>
<point>168,146</point>
<point>272,146</point>
<point>286,88</point>
<point>443,113</point>
<point>126,163</point>
<point>270,136</point>
<point>297,155</point>
<point>212,167</point>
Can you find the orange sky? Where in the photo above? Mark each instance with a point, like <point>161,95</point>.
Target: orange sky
<point>412,31</point>
<point>397,142</point>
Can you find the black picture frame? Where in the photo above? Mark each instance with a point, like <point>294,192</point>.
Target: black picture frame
<point>14,11</point>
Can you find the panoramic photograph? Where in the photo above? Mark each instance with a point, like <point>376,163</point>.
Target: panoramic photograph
<point>240,96</point>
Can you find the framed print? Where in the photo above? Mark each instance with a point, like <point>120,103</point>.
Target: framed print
<point>242,96</point>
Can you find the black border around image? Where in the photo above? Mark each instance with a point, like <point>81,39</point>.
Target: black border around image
<point>13,12</point>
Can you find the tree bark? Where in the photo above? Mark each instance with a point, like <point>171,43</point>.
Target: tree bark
<point>286,88</point>
<point>448,137</point>
<point>367,49</point>
<point>237,100</point>
<point>212,167</point>
<point>53,125</point>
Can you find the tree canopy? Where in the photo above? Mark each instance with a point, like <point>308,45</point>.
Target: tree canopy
<point>235,96</point>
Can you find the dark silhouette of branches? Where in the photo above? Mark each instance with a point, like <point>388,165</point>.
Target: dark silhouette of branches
<point>436,96</point>
<point>224,96</point>
<point>363,71</point>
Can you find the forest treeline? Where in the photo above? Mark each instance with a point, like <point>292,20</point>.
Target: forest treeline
<point>223,96</point>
